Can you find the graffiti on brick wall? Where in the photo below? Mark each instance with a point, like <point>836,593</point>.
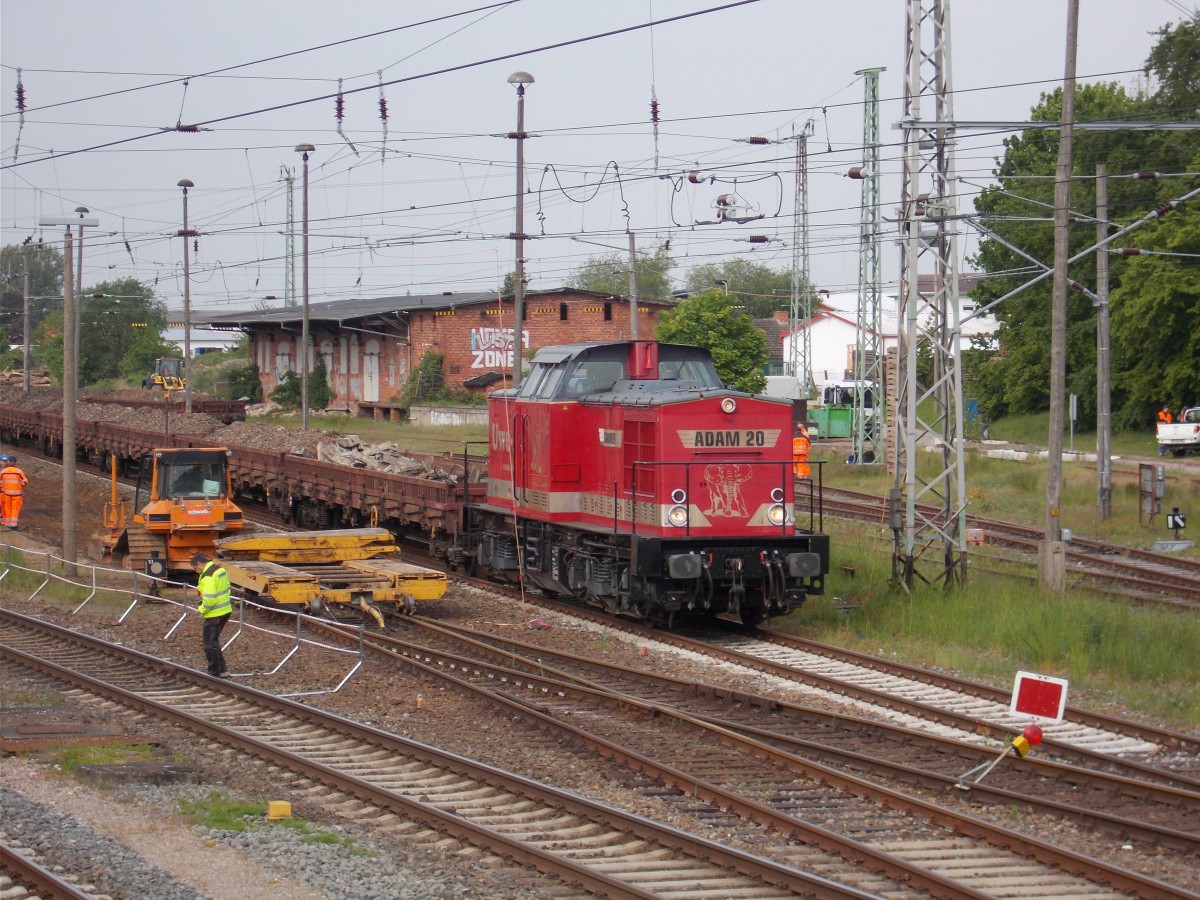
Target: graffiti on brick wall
<point>491,348</point>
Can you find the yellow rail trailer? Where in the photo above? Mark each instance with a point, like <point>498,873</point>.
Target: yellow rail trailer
<point>357,567</point>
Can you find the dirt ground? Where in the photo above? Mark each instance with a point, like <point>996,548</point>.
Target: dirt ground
<point>42,513</point>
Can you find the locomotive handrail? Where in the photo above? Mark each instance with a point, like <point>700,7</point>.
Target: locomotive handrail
<point>815,498</point>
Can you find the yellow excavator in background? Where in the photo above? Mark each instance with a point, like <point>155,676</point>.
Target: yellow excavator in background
<point>167,375</point>
<point>182,503</point>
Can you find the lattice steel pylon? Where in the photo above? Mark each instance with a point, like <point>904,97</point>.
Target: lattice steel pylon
<point>289,244</point>
<point>928,502</point>
<point>800,310</point>
<point>868,349</point>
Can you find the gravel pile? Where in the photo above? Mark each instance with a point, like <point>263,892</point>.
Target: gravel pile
<point>65,845</point>
<point>325,860</point>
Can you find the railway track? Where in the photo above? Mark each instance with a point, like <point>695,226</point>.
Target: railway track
<point>801,772</point>
<point>1097,565</point>
<point>406,786</point>
<point>908,695</point>
<point>22,877</point>
<point>1125,796</point>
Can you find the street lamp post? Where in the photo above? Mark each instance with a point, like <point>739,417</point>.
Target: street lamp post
<point>83,211</point>
<point>70,370</point>
<point>304,150</point>
<point>187,302</point>
<point>520,79</point>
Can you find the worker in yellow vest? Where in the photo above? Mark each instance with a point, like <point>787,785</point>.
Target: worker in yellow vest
<point>800,447</point>
<point>216,604</point>
<point>12,488</point>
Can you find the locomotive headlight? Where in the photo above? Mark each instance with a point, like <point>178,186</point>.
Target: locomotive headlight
<point>777,495</point>
<point>678,516</point>
<point>679,495</point>
<point>727,405</point>
<point>776,514</point>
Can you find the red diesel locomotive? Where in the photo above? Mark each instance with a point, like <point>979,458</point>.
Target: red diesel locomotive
<point>625,475</point>
<point>622,474</point>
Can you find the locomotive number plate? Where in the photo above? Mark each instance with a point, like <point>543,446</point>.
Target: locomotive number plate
<point>752,438</point>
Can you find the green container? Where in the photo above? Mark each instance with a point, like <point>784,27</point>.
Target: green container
<point>832,421</point>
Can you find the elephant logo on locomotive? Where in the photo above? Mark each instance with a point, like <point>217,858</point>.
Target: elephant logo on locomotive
<point>724,483</point>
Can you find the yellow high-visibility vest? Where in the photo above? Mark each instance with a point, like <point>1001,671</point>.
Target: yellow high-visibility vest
<point>214,592</point>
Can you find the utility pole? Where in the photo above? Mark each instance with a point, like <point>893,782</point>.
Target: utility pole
<point>25,310</point>
<point>186,234</point>
<point>304,150</point>
<point>633,289</point>
<point>800,311</point>
<point>519,79</point>
<point>70,393</point>
<point>868,349</point>
<point>1053,554</point>
<point>83,211</point>
<point>1103,359</point>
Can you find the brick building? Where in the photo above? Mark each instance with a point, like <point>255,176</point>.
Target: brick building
<point>370,346</point>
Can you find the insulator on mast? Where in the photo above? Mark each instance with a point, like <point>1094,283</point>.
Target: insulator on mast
<point>339,111</point>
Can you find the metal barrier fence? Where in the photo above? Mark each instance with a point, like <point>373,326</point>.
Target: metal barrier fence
<point>142,589</point>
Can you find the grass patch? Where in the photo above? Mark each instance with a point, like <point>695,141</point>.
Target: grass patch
<point>1140,657</point>
<point>222,813</point>
<point>219,812</point>
<point>1015,491</point>
<point>68,758</point>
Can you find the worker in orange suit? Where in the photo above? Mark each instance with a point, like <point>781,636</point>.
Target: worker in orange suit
<point>12,487</point>
<point>1164,415</point>
<point>800,448</point>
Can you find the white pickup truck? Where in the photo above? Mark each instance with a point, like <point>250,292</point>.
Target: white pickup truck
<point>1183,435</point>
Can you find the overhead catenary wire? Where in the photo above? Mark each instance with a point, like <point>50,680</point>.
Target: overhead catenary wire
<point>558,45</point>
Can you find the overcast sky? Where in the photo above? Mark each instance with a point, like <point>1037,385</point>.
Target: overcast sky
<point>426,205</point>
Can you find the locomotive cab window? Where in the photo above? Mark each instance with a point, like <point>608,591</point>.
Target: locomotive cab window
<point>548,386</point>
<point>530,385</point>
<point>689,371</point>
<point>594,375</point>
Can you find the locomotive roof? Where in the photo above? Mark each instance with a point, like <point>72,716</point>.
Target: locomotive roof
<point>559,352</point>
<point>594,372</point>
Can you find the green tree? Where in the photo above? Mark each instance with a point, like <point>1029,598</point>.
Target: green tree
<point>1175,64</point>
<point>760,290</point>
<point>427,382</point>
<point>45,285</point>
<point>712,319</point>
<point>289,395</point>
<point>243,381</point>
<point>609,274</point>
<point>123,323</point>
<point>120,330</point>
<point>1018,210</point>
<point>1156,321</point>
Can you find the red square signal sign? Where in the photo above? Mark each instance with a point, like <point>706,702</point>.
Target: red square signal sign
<point>1039,696</point>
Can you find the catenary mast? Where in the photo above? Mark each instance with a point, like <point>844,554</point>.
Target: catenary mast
<point>928,499</point>
<point>800,311</point>
<point>868,351</point>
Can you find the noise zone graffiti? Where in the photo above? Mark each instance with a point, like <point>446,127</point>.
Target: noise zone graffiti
<point>493,347</point>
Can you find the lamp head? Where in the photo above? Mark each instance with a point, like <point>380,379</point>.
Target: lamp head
<point>305,149</point>
<point>82,210</point>
<point>185,183</point>
<point>520,79</point>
